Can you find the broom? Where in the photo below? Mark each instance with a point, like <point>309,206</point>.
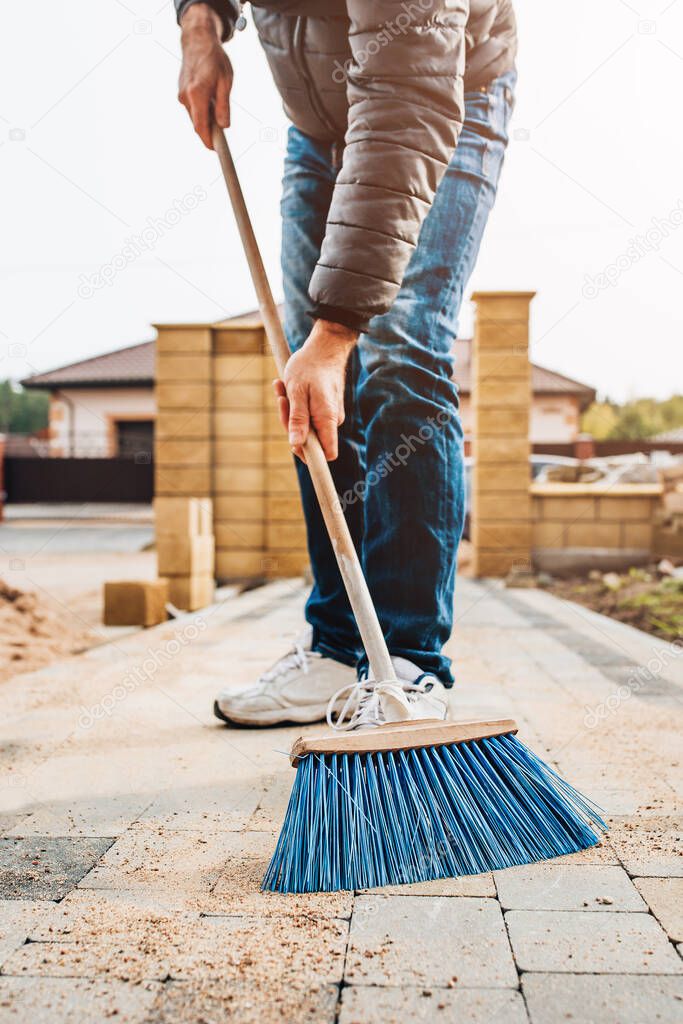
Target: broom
<point>406,801</point>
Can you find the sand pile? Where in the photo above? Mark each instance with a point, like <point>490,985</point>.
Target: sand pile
<point>33,633</point>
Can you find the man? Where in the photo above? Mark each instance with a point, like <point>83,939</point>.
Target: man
<point>399,112</point>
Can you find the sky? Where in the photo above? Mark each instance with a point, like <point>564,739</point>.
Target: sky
<point>113,216</point>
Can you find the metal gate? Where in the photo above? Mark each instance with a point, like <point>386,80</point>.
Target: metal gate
<point>30,479</point>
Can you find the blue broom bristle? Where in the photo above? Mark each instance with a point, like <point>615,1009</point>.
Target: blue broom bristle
<point>356,821</point>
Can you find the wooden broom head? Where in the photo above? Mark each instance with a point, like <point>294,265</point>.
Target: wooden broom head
<point>424,732</point>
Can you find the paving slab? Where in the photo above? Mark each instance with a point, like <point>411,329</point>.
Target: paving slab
<point>649,846</point>
<point>585,942</point>
<point>162,858</point>
<point>18,920</point>
<point>191,1003</point>
<point>607,999</point>
<point>74,1000</point>
<point>280,951</point>
<point>467,885</point>
<point>560,886</point>
<point>664,897</point>
<point>366,1005</point>
<point>44,867</point>
<point>429,940</point>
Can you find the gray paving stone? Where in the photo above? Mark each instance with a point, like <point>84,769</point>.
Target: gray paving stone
<point>362,1003</point>
<point>191,1003</point>
<point>552,941</point>
<point>560,886</point>
<point>162,858</point>
<point>429,940</point>
<point>280,951</point>
<point>467,885</point>
<point>18,919</point>
<point>40,867</point>
<point>613,999</point>
<point>651,847</point>
<point>74,1000</point>
<point>664,897</point>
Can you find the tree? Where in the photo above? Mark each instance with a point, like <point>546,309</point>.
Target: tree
<point>22,411</point>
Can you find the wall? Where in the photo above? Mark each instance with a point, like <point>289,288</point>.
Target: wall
<point>94,412</point>
<point>575,527</point>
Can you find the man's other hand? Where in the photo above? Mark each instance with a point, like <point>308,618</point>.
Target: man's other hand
<point>206,74</point>
<point>312,391</point>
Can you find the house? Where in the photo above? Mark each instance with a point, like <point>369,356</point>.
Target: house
<point>105,405</point>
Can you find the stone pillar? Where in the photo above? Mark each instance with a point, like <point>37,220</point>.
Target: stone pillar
<point>218,436</point>
<point>501,401</point>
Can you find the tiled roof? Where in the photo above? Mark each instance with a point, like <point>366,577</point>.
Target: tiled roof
<point>134,366</point>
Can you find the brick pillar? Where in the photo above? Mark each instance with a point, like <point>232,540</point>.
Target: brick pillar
<point>501,398</point>
<point>218,436</point>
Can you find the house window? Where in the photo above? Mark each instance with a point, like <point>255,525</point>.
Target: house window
<point>134,438</point>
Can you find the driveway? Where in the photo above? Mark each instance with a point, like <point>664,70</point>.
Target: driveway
<point>136,829</point>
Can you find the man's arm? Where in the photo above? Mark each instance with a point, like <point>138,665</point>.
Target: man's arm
<point>206,73</point>
<point>406,109</point>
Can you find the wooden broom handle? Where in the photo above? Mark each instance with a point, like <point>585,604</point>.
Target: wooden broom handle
<point>340,537</point>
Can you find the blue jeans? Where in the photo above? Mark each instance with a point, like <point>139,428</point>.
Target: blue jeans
<point>400,469</point>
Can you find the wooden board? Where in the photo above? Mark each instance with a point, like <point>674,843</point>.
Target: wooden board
<point>400,736</point>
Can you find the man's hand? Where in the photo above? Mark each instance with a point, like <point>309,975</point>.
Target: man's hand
<point>206,74</point>
<point>312,392</point>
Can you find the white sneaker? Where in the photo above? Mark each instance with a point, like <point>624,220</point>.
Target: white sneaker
<point>415,694</point>
<point>298,688</point>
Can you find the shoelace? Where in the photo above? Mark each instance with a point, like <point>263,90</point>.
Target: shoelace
<point>297,658</point>
<point>363,705</point>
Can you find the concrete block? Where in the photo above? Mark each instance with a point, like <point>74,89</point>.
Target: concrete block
<point>239,479</point>
<point>593,535</point>
<point>549,534</point>
<point>183,396</point>
<point>472,947</point>
<point>182,368</point>
<point>637,535</point>
<point>493,421</point>
<point>587,943</point>
<point>499,449</point>
<point>183,340</point>
<point>183,516</point>
<point>284,994</point>
<point>237,369</point>
<point>567,509</point>
<point>230,508</point>
<point>490,505</point>
<point>284,536</point>
<point>499,562</point>
<point>664,897</point>
<point>173,481</point>
<point>173,452</point>
<point>648,846</point>
<point>398,1005</point>
<point>239,533</point>
<point>502,305</point>
<point>610,999</point>
<point>501,533</point>
<point>182,555</point>
<point>238,423</point>
<point>283,480</point>
<point>135,602</point>
<point>284,508</point>
<point>76,1000</point>
<point>242,564</point>
<point>191,592</point>
<point>508,360</point>
<point>232,340</point>
<point>563,886</point>
<point>500,477</point>
<point>237,396</point>
<point>283,564</point>
<point>249,452</point>
<point>619,509</point>
<point>505,393</point>
<point>183,424</point>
